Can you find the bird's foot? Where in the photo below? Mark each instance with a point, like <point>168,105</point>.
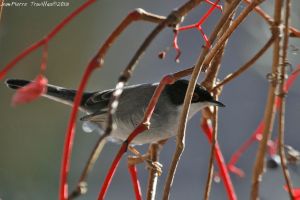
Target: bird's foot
<point>154,165</point>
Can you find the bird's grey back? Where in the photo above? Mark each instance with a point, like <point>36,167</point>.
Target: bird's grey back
<point>131,109</point>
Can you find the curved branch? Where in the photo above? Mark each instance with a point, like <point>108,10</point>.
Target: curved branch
<point>246,66</point>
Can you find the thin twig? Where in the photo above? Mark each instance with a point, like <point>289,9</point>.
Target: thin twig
<point>229,31</point>
<point>212,153</point>
<point>256,135</point>
<point>293,32</point>
<point>144,125</point>
<point>270,108</point>
<point>173,19</point>
<point>262,13</point>
<point>153,173</point>
<point>46,38</point>
<point>207,129</point>
<point>202,62</point>
<point>246,66</point>
<point>283,161</point>
<point>281,97</point>
<point>136,15</point>
<point>182,126</point>
<point>209,82</point>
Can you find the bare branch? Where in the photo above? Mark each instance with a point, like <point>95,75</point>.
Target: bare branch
<point>136,15</point>
<point>209,83</point>
<point>246,66</point>
<point>293,32</point>
<point>270,108</point>
<point>281,99</point>
<point>154,150</point>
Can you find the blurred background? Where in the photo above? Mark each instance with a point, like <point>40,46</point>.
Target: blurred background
<point>32,135</point>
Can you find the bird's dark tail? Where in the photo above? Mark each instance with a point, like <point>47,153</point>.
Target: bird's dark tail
<point>60,94</point>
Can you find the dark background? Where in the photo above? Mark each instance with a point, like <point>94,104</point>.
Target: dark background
<point>32,135</point>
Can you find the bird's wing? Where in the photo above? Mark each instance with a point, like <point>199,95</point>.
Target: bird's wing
<point>97,117</point>
<point>132,102</point>
<point>98,101</point>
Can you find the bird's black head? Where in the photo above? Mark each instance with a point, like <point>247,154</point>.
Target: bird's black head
<point>177,92</point>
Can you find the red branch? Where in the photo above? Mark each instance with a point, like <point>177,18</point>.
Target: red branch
<point>96,62</point>
<point>207,128</point>
<point>36,88</point>
<point>197,26</point>
<point>256,135</point>
<point>214,4</point>
<point>45,40</point>
<point>169,79</point>
<point>117,159</point>
<point>69,138</point>
<point>63,190</point>
<point>296,192</point>
<point>135,181</point>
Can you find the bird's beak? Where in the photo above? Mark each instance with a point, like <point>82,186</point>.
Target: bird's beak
<point>217,103</point>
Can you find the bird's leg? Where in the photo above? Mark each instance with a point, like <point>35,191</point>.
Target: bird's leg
<point>97,61</point>
<point>146,158</point>
<point>144,125</point>
<point>151,159</point>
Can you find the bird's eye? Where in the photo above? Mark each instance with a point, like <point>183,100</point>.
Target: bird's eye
<point>195,97</point>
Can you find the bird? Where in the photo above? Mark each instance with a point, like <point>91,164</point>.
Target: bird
<point>132,105</point>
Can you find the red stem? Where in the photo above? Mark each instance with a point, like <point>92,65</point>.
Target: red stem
<point>196,25</point>
<point>65,21</point>
<point>220,161</point>
<point>296,192</point>
<point>63,190</point>
<point>183,28</point>
<point>19,57</point>
<point>208,13</point>
<point>175,44</point>
<point>117,159</point>
<point>236,156</point>
<point>273,147</point>
<point>204,37</point>
<point>69,138</point>
<point>45,40</point>
<point>169,79</point>
<point>214,4</point>
<point>135,181</point>
<point>44,58</point>
<point>255,135</point>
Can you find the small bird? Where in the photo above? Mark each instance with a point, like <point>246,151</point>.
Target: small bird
<point>132,105</point>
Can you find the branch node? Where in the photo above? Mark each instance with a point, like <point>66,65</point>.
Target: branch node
<point>180,145</point>
<point>124,77</point>
<point>83,187</point>
<point>175,18</point>
<point>293,155</point>
<point>80,190</point>
<point>277,30</point>
<point>271,77</point>
<point>147,125</point>
<point>137,13</point>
